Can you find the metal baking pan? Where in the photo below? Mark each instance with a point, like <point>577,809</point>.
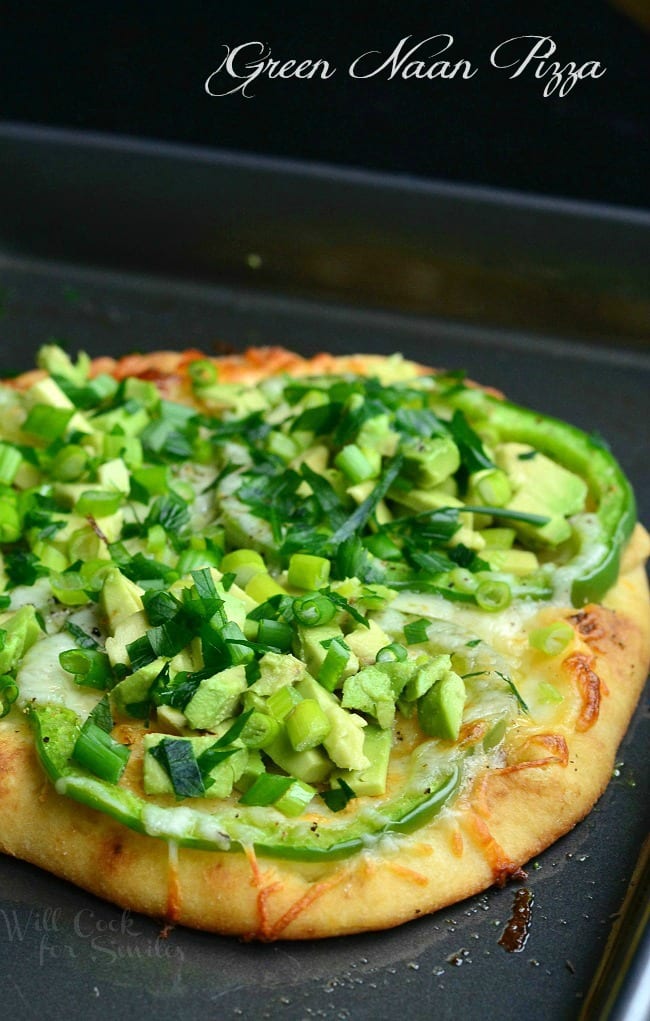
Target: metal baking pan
<point>114,245</point>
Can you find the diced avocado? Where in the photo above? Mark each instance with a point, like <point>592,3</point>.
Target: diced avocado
<point>22,631</point>
<point>312,766</point>
<point>135,688</point>
<point>543,487</point>
<point>427,675</point>
<point>365,642</point>
<point>119,598</point>
<point>430,460</point>
<point>190,658</point>
<point>556,530</point>
<point>514,561</point>
<point>173,721</point>
<point>440,711</point>
<point>157,781</point>
<point>131,423</point>
<point>430,499</point>
<point>371,780</point>
<point>276,671</point>
<point>244,529</point>
<point>47,391</point>
<point>127,630</point>
<point>370,691</point>
<point>311,651</point>
<point>498,538</point>
<point>216,698</point>
<point>114,475</point>
<point>345,742</point>
<point>559,489</point>
<point>315,457</point>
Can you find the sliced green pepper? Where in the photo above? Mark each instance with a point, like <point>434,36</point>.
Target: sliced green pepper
<point>595,568</point>
<point>56,730</point>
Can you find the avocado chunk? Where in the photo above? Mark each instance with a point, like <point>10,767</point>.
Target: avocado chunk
<point>312,765</point>
<point>119,598</point>
<point>541,487</point>
<point>370,780</point>
<point>365,642</point>
<point>426,676</point>
<point>127,630</point>
<point>375,689</point>
<point>345,741</point>
<point>276,671</point>
<point>216,698</point>
<point>135,688</point>
<point>428,461</point>
<point>440,711</point>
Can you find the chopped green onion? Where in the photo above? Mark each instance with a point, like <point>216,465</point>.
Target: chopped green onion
<point>69,463</point>
<point>154,479</point>
<point>10,461</point>
<point>549,694</point>
<point>334,664</point>
<point>177,758</point>
<point>8,694</point>
<point>553,639</point>
<point>140,653</point>
<point>307,725</point>
<point>381,546</point>
<point>354,463</point>
<point>84,640</point>
<point>91,668</point>
<point>505,512</point>
<point>202,372</point>
<point>96,751</point>
<point>337,798</point>
<point>101,715</point>
<point>513,688</point>
<point>493,595</point>
<point>295,800</point>
<point>282,701</point>
<point>98,503</point>
<point>46,422</point>
<point>313,610</point>
<point>393,653</point>
<point>491,486</point>
<point>308,572</point>
<point>10,529</point>
<point>276,634</point>
<point>417,631</point>
<point>246,563</point>
<point>289,795</point>
<point>260,730</point>
<point>267,789</point>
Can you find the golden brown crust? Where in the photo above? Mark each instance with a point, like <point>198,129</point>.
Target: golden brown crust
<point>553,773</point>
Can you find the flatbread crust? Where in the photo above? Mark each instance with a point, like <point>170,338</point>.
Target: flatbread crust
<point>552,777</point>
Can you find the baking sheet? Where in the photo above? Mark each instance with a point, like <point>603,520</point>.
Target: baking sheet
<point>64,948</point>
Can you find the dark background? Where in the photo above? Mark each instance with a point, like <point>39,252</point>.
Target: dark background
<point>139,69</point>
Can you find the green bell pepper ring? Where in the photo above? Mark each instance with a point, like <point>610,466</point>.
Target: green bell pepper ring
<point>56,730</point>
<point>595,568</point>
